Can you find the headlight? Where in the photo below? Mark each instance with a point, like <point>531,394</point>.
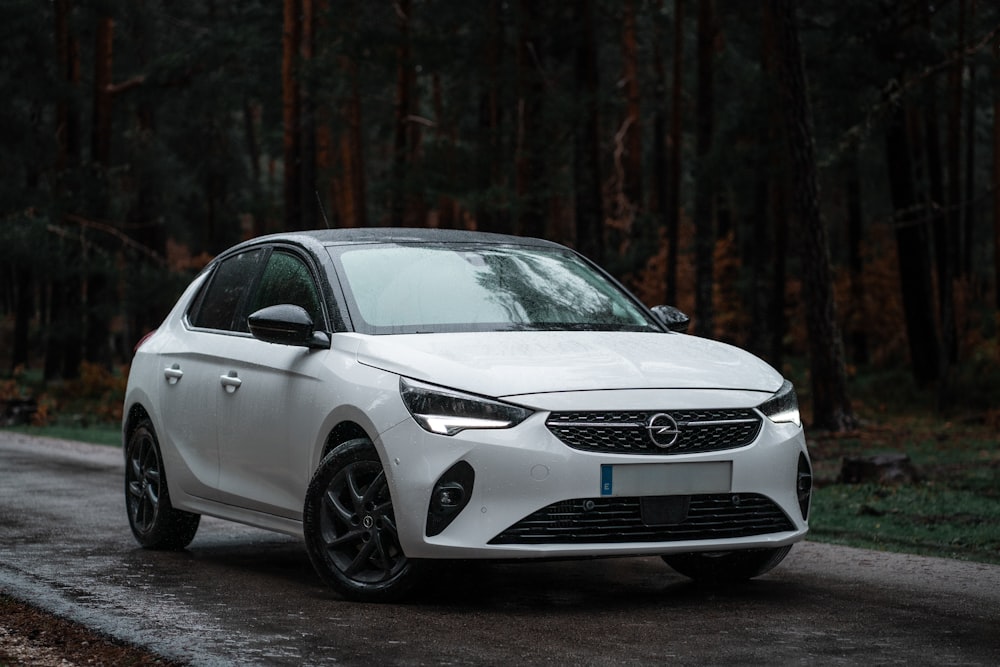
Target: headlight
<point>783,406</point>
<point>447,412</point>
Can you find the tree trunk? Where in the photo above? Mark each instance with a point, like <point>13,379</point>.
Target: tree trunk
<point>763,255</point>
<point>948,214</point>
<point>658,190</point>
<point>23,309</point>
<point>250,113</point>
<point>355,210</point>
<point>704,185</point>
<point>309,198</point>
<point>68,71</point>
<point>491,215</point>
<point>586,154</point>
<point>659,196</point>
<point>347,178</point>
<point>674,188</point>
<point>776,308</point>
<point>291,45</point>
<point>532,185</point>
<point>857,315</point>
<point>142,314</point>
<point>831,406</point>
<point>913,246</point>
<point>944,225</point>
<point>103,98</point>
<point>632,160</point>
<point>405,106</point>
<point>63,325</point>
<point>996,178</point>
<point>966,234</point>
<point>97,297</point>
<point>955,208</point>
<point>447,207</point>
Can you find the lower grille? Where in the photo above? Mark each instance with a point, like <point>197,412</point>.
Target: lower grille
<point>614,520</point>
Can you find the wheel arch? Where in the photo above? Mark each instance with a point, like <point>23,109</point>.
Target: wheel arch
<point>342,432</point>
<point>133,417</point>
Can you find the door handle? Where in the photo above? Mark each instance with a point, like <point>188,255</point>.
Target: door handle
<point>230,381</point>
<point>173,374</point>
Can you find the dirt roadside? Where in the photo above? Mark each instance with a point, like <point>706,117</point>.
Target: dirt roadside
<point>29,636</point>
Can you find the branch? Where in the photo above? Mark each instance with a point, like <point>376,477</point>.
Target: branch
<point>894,90</point>
<point>115,88</point>
<point>105,228</point>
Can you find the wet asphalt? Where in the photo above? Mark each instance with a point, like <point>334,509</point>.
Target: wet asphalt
<point>241,596</point>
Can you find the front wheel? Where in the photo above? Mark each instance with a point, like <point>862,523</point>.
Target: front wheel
<point>350,527</point>
<point>726,567</point>
<point>154,521</point>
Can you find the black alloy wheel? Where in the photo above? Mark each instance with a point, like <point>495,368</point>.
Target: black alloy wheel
<point>350,527</point>
<point>154,521</point>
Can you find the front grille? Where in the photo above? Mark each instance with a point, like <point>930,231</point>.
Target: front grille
<point>629,433</point>
<point>615,520</point>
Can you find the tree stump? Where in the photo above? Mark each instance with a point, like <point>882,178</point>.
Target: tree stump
<point>17,411</point>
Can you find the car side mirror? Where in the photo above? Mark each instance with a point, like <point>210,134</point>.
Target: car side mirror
<point>286,324</point>
<point>672,318</point>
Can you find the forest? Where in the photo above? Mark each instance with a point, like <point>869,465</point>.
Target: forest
<point>816,181</point>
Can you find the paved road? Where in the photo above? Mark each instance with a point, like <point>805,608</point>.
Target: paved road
<point>244,596</point>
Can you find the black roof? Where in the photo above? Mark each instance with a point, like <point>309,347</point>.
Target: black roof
<point>315,239</point>
<point>407,234</point>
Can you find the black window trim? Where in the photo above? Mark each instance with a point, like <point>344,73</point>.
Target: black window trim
<point>199,299</point>
<point>307,260</point>
<point>333,319</point>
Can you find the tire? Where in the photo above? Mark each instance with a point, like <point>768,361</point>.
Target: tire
<point>726,567</point>
<point>154,521</point>
<point>350,527</point>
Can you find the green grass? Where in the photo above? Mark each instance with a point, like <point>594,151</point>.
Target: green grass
<point>925,518</point>
<point>952,510</point>
<point>103,434</point>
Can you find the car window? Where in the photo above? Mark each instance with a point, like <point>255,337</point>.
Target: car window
<point>405,288</point>
<point>216,306</point>
<point>287,279</point>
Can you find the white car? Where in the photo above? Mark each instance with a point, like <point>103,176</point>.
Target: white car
<point>398,397</point>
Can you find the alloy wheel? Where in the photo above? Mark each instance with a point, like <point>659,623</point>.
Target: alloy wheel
<point>357,525</point>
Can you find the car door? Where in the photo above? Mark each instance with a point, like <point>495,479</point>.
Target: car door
<point>190,360</point>
<point>268,413</point>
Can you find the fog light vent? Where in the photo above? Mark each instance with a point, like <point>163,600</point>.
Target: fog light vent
<point>804,485</point>
<point>449,497</point>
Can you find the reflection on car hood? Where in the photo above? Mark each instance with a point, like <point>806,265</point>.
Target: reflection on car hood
<point>528,362</point>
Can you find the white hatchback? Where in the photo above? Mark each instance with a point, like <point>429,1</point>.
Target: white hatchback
<point>398,397</point>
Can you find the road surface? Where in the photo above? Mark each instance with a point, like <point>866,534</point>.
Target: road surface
<point>241,596</point>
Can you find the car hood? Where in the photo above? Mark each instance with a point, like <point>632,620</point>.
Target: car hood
<point>511,363</point>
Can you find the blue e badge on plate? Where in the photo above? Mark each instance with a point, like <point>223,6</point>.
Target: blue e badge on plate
<point>606,475</point>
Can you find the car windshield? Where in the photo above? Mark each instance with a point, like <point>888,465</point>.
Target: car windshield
<point>422,288</point>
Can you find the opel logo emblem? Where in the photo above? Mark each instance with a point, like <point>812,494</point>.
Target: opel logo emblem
<point>663,430</point>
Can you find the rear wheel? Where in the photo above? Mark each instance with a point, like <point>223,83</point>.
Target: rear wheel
<point>726,567</point>
<point>350,527</point>
<point>154,521</point>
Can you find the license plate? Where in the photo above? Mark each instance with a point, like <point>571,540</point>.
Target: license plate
<point>666,479</point>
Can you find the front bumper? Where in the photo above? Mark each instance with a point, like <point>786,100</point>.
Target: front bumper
<point>529,486</point>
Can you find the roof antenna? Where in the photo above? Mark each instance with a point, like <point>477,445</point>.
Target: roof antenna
<point>322,210</point>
